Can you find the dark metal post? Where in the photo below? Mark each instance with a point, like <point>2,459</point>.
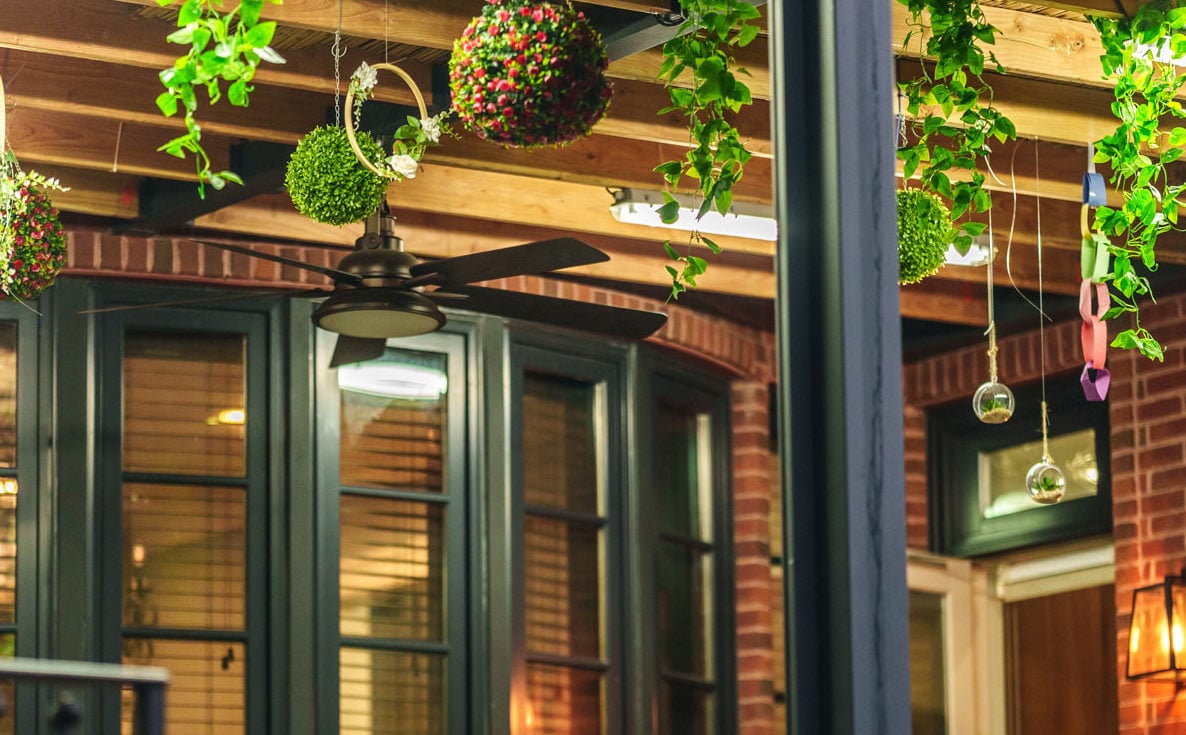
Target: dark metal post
<point>150,709</point>
<point>839,368</point>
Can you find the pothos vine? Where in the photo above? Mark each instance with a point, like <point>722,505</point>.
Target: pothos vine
<point>705,47</point>
<point>950,105</point>
<point>1149,138</point>
<point>223,47</point>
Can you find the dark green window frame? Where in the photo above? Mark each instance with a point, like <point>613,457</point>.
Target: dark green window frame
<point>955,438</point>
<point>460,547</point>
<point>256,481</point>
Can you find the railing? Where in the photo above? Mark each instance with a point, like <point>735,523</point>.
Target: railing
<point>148,682</point>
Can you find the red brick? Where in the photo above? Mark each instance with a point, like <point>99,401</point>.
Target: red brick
<point>136,252</point>
<point>1163,456</point>
<point>162,256</point>
<point>187,258</point>
<point>1164,408</point>
<point>82,249</point>
<point>111,252</point>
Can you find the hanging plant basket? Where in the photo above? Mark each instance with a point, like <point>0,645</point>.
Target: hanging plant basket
<point>411,140</point>
<point>326,181</point>
<point>924,226</point>
<point>529,74</point>
<point>32,240</point>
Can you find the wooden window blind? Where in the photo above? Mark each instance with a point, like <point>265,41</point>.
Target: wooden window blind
<point>563,556</point>
<point>184,511</point>
<point>684,576</point>
<point>394,660</point>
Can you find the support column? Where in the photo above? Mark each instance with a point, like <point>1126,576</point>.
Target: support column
<point>840,368</point>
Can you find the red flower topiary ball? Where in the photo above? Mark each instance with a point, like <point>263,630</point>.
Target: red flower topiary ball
<point>529,74</point>
<point>32,243</point>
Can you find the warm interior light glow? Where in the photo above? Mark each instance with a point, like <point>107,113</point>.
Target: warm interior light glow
<point>641,207</point>
<point>138,554</point>
<point>8,486</point>
<point>231,416</point>
<point>1134,638</point>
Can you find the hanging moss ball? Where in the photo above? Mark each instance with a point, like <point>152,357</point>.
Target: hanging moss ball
<point>923,228</point>
<point>328,184</point>
<point>529,74</point>
<point>32,240</point>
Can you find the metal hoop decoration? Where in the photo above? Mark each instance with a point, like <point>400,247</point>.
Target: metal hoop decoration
<point>350,115</point>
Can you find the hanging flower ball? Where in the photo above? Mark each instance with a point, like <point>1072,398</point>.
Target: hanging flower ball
<point>327,183</point>
<point>529,74</point>
<point>32,240</point>
<point>923,228</point>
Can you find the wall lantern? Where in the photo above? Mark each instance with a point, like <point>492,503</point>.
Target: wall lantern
<point>1157,633</point>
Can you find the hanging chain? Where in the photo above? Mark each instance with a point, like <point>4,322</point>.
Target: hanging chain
<point>338,51</point>
<point>1045,438</point>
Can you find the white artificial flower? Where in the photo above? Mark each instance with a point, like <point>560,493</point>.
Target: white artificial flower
<point>432,129</point>
<point>404,165</point>
<point>366,77</point>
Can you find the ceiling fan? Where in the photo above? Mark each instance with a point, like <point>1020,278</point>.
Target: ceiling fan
<point>381,291</point>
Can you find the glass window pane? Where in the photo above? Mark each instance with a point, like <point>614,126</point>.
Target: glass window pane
<point>183,556</point>
<point>392,572</point>
<point>391,693</point>
<point>7,394</point>
<point>7,690</point>
<point>682,484</point>
<point>928,674</point>
<point>205,695</point>
<point>684,709</point>
<point>563,701</point>
<point>8,502</point>
<point>563,582</point>
<point>393,422</point>
<point>1002,472</point>
<point>184,403</point>
<point>560,465</point>
<point>685,610</point>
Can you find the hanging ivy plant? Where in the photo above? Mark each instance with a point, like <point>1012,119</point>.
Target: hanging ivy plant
<point>705,47</point>
<point>951,108</point>
<point>223,47</point>
<point>1150,136</point>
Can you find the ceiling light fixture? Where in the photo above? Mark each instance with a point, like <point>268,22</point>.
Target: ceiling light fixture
<point>641,207</point>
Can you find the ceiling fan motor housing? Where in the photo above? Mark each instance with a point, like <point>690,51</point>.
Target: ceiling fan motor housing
<point>380,307</point>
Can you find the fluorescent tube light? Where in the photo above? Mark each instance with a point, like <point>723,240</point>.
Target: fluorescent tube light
<point>393,380</point>
<point>641,207</point>
<point>979,253</point>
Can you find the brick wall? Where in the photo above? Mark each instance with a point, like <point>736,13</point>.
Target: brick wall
<point>745,353</point>
<point>1147,410</point>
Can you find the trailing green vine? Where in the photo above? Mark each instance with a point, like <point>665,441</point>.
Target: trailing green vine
<point>224,47</point>
<point>951,108</point>
<point>705,46</point>
<point>1149,138</point>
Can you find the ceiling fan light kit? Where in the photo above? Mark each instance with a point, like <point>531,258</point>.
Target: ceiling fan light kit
<point>378,313</point>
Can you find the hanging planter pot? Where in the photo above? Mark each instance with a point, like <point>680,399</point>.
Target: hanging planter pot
<point>326,181</point>
<point>528,74</point>
<point>32,240</point>
<point>924,225</point>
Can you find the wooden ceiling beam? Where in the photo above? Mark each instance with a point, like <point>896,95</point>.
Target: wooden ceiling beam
<point>78,142</point>
<point>112,32</point>
<point>937,300</point>
<point>1103,8</point>
<point>437,24</point>
<point>98,193</point>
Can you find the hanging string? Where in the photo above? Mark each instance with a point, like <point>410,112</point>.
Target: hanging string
<point>386,45</point>
<point>119,135</point>
<point>338,51</point>
<point>1012,226</point>
<point>992,322</point>
<point>1041,309</point>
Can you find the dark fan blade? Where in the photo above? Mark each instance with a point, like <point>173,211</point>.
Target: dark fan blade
<point>337,275</point>
<point>520,260</point>
<point>303,292</point>
<point>356,349</point>
<point>611,320</point>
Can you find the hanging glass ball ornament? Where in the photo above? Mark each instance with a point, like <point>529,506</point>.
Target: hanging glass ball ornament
<point>993,402</point>
<point>1045,482</point>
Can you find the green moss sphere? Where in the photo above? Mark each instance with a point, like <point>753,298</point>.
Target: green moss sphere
<point>326,181</point>
<point>923,228</point>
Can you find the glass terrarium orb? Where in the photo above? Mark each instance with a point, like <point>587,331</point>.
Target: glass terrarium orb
<point>993,403</point>
<point>1045,483</point>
